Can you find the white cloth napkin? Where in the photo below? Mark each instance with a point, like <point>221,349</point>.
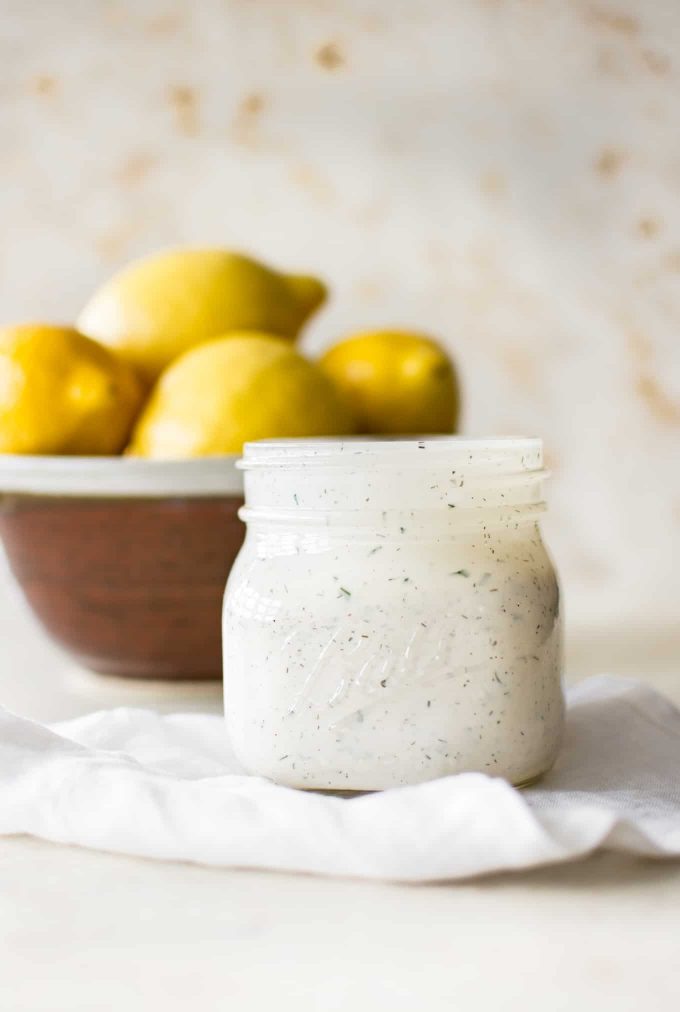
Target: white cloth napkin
<point>168,787</point>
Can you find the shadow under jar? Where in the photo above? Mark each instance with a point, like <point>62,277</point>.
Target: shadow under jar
<point>393,615</point>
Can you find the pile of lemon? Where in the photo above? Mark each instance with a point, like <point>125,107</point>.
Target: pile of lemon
<point>191,352</point>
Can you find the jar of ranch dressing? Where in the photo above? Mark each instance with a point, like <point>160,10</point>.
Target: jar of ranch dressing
<point>393,615</point>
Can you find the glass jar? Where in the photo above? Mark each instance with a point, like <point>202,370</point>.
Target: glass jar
<point>393,615</point>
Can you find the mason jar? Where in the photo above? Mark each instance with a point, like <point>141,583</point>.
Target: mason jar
<point>393,615</point>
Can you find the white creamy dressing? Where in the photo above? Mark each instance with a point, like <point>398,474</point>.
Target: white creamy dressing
<point>393,615</point>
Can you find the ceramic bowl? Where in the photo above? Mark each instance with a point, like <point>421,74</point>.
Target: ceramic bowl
<point>124,561</point>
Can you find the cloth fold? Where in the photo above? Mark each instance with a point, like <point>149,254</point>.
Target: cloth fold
<point>135,782</point>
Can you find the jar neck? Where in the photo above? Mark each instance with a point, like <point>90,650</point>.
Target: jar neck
<point>398,525</point>
<point>448,483</point>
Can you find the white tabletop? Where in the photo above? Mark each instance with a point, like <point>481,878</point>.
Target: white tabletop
<point>86,931</point>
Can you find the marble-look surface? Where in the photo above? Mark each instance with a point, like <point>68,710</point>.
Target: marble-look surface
<point>86,932</point>
<point>503,173</point>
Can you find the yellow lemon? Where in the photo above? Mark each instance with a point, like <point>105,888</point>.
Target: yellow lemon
<point>60,392</point>
<point>159,307</point>
<point>236,388</point>
<point>396,382</point>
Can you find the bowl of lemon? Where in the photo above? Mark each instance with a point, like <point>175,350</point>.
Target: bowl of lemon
<point>119,437</point>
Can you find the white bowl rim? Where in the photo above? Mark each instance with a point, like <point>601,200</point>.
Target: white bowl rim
<point>120,477</point>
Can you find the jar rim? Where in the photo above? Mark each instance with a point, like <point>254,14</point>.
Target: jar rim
<point>496,454</point>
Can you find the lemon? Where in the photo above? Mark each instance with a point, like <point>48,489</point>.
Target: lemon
<point>159,307</point>
<point>242,387</point>
<point>60,392</point>
<point>396,382</point>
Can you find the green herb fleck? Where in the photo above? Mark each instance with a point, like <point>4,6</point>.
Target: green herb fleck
<point>461,572</point>
<point>296,499</point>
<point>347,593</point>
<point>374,550</point>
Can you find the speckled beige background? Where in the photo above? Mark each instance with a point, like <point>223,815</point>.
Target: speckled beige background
<point>504,174</point>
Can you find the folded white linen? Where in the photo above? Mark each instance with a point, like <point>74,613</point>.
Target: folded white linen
<point>135,782</point>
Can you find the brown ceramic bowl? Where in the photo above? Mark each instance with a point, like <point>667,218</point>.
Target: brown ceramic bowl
<point>124,561</point>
